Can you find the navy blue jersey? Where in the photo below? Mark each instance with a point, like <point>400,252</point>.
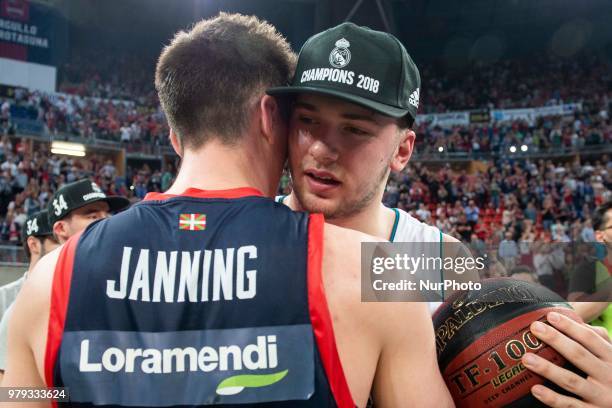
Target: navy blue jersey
<point>207,298</point>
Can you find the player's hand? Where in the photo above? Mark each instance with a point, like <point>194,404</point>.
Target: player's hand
<point>588,349</point>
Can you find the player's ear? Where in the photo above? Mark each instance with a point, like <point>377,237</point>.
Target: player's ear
<point>176,143</point>
<point>403,152</point>
<point>272,124</point>
<point>34,245</point>
<point>60,230</point>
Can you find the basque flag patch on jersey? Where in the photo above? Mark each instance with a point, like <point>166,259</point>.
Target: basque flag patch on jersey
<point>192,222</point>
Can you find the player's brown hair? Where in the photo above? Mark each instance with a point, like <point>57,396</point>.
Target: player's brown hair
<point>209,78</point>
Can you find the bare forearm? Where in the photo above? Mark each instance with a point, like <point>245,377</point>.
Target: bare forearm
<point>589,310</point>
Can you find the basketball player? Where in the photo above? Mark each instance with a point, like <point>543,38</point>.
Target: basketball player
<point>212,293</point>
<point>348,134</point>
<point>76,205</point>
<point>37,240</point>
<point>71,209</point>
<point>350,126</point>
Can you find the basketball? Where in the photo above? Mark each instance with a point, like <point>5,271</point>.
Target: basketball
<point>482,335</point>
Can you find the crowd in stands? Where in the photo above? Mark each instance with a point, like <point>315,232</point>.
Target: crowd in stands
<point>543,197</point>
<point>530,81</point>
<point>133,125</point>
<point>547,134</point>
<point>124,77</point>
<point>116,101</point>
<point>512,200</point>
<point>111,99</point>
<point>29,176</point>
<point>510,206</point>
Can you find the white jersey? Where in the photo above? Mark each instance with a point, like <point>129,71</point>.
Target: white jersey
<point>409,229</point>
<point>406,228</point>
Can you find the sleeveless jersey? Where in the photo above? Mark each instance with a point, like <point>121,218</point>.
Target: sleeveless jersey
<point>408,229</point>
<point>207,298</point>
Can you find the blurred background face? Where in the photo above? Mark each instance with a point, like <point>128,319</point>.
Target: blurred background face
<point>339,154</point>
<point>80,218</point>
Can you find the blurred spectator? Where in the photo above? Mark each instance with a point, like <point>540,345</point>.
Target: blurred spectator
<point>472,212</point>
<point>464,228</point>
<point>423,213</point>
<point>588,233</point>
<point>508,251</point>
<point>523,273</point>
<point>543,265</point>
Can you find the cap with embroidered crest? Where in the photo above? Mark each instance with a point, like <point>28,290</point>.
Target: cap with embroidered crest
<point>79,194</point>
<point>360,65</point>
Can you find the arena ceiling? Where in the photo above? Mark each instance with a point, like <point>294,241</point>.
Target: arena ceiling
<point>428,28</point>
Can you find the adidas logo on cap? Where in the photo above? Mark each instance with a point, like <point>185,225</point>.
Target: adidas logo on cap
<point>414,98</point>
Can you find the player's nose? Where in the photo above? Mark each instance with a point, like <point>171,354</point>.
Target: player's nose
<point>322,147</point>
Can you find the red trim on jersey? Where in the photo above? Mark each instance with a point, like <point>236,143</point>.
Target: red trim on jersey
<point>60,291</point>
<point>320,316</point>
<point>197,193</point>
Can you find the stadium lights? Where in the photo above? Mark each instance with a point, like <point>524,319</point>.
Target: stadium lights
<point>441,149</point>
<point>524,148</point>
<point>512,149</point>
<point>68,149</point>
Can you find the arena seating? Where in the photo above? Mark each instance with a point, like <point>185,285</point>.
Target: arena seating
<point>116,103</point>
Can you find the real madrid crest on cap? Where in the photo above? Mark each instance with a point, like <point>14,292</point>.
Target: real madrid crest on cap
<point>340,56</point>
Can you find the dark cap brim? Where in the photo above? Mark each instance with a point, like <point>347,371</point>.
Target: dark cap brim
<point>115,203</point>
<point>381,108</point>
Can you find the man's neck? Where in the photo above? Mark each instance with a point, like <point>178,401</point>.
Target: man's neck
<point>376,219</point>
<point>218,167</point>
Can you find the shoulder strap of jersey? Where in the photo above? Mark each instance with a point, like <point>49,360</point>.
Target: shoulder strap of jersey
<point>320,316</point>
<point>394,229</point>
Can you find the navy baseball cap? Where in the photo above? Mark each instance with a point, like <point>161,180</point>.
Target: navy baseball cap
<point>360,65</point>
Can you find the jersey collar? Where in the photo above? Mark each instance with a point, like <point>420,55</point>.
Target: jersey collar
<point>197,193</point>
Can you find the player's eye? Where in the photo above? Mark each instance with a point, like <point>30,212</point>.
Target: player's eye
<point>306,120</point>
<point>356,131</point>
